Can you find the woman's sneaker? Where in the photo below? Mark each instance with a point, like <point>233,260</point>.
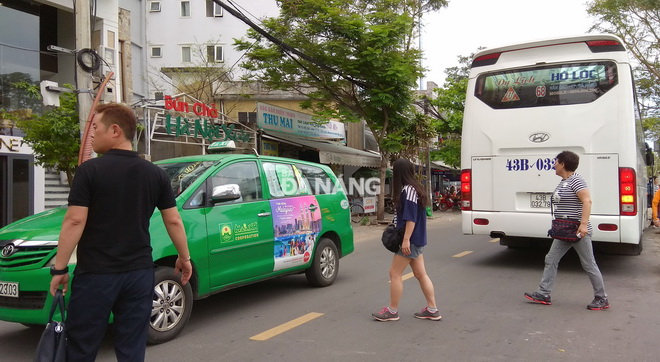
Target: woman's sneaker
<point>426,314</point>
<point>598,304</point>
<point>537,297</point>
<point>385,315</point>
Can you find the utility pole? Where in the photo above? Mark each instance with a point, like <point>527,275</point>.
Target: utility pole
<point>83,79</point>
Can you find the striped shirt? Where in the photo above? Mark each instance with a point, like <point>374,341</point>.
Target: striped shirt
<point>565,201</point>
<point>410,210</point>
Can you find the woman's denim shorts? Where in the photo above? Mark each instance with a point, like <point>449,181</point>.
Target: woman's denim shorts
<point>415,251</point>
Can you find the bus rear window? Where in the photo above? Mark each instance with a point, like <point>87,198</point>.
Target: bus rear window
<point>546,85</point>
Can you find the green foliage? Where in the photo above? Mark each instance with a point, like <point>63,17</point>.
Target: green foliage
<point>55,135</point>
<point>365,66</point>
<point>636,22</point>
<point>651,127</point>
<point>450,104</point>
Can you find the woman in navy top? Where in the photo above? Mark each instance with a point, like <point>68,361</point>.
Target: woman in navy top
<point>410,201</point>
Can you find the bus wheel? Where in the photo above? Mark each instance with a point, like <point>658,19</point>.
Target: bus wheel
<point>171,308</point>
<point>325,265</point>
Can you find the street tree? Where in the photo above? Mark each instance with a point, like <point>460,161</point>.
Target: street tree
<point>54,135</point>
<point>353,59</point>
<point>448,107</point>
<point>637,23</point>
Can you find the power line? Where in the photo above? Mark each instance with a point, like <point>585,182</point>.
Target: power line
<point>286,47</point>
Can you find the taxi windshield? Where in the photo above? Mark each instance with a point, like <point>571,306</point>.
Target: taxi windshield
<point>183,174</point>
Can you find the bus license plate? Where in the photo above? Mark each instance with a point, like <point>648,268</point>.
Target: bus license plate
<point>8,289</point>
<point>539,201</point>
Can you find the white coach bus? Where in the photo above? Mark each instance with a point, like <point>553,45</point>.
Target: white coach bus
<point>528,102</point>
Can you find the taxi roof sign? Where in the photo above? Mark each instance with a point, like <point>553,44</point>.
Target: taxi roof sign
<point>222,146</point>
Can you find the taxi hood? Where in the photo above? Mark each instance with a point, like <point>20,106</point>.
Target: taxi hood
<point>44,226</point>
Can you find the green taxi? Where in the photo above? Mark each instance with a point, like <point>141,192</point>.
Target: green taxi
<point>247,218</point>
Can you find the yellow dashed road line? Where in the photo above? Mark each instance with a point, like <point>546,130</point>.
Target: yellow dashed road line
<point>285,327</point>
<point>406,276</point>
<point>460,255</point>
<point>494,240</point>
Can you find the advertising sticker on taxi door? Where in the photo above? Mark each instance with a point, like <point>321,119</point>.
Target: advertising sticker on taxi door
<point>296,223</point>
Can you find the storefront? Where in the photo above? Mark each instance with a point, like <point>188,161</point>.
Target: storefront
<point>182,126</point>
<point>288,133</point>
<point>21,181</point>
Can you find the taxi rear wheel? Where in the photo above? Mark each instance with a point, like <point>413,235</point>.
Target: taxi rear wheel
<point>171,307</point>
<point>325,265</point>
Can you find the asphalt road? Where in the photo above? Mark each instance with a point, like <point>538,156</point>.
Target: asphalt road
<point>479,287</point>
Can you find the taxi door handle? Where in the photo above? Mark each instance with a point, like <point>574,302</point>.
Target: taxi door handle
<point>263,214</point>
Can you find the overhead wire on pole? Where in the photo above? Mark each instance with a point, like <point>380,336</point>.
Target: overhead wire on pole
<point>288,48</point>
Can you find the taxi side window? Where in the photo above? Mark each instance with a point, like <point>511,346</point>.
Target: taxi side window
<point>243,174</point>
<point>284,180</point>
<point>317,180</point>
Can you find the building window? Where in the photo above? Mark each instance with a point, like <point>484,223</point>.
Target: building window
<point>247,118</point>
<point>217,10</point>
<point>215,53</point>
<point>185,9</point>
<point>154,6</point>
<point>186,54</point>
<point>157,52</point>
<point>213,9</point>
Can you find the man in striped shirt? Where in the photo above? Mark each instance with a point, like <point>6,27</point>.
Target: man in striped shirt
<point>571,200</point>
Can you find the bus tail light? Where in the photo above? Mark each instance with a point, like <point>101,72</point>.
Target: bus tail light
<point>601,46</point>
<point>466,190</point>
<point>488,59</point>
<point>627,191</point>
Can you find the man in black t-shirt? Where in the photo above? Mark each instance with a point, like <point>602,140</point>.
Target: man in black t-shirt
<point>111,201</point>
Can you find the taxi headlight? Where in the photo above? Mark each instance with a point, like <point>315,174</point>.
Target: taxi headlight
<point>72,261</point>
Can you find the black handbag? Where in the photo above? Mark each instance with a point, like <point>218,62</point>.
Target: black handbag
<point>392,238</point>
<point>52,345</point>
<point>564,229</point>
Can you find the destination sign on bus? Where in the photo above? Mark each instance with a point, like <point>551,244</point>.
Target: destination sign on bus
<point>571,83</point>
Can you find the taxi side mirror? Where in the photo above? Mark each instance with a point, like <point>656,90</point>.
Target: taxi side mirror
<point>229,192</point>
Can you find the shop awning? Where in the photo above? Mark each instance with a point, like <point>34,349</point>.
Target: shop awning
<point>441,166</point>
<point>370,172</point>
<point>330,152</point>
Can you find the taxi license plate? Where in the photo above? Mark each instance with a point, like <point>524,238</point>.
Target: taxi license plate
<point>8,289</point>
<point>539,201</point>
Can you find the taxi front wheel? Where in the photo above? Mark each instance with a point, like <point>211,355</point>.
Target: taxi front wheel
<point>171,307</point>
<point>325,265</point>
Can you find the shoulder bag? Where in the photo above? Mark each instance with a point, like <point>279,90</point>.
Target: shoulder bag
<point>392,238</point>
<point>52,345</point>
<point>563,229</point>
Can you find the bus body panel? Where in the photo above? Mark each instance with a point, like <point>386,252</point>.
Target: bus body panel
<point>511,173</point>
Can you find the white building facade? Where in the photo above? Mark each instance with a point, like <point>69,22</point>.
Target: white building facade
<point>186,33</point>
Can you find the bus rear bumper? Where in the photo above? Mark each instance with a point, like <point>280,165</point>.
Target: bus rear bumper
<point>530,225</point>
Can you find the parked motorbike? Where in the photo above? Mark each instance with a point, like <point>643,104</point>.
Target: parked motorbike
<point>447,202</point>
<point>436,202</point>
<point>389,205</point>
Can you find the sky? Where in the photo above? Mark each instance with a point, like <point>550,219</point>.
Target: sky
<point>465,25</point>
